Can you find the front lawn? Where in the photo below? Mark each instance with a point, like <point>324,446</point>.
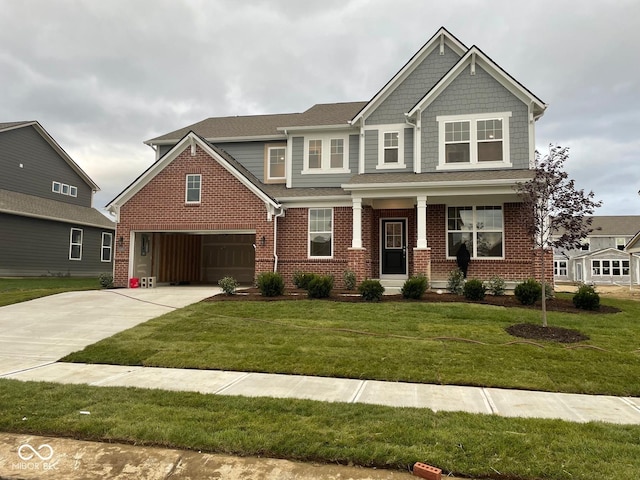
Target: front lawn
<point>478,446</point>
<point>441,343</point>
<point>15,290</point>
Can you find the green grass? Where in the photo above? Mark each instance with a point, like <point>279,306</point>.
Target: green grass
<point>16,290</point>
<point>479,446</point>
<point>387,341</point>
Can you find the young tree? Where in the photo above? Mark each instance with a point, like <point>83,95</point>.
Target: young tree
<point>558,212</point>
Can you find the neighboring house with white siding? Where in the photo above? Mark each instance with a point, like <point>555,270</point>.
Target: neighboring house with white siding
<point>47,223</point>
<point>602,258</point>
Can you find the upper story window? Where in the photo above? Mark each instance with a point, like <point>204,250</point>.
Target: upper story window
<point>585,245</point>
<point>64,189</point>
<point>478,141</point>
<point>276,161</point>
<point>193,188</point>
<point>390,146</point>
<point>620,243</point>
<point>326,154</point>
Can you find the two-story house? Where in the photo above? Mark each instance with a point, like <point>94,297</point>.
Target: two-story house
<point>601,259</point>
<point>386,188</point>
<point>47,223</point>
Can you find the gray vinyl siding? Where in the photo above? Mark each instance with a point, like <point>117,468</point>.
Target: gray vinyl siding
<point>371,151</point>
<point>470,94</point>
<point>414,87</point>
<point>36,247</point>
<point>321,179</point>
<point>249,154</point>
<point>41,165</point>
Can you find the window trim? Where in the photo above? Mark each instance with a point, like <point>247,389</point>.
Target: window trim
<point>72,244</point>
<point>325,158</point>
<point>56,187</point>
<point>309,232</point>
<point>611,261</point>
<point>620,243</point>
<point>267,164</point>
<point>474,231</point>
<point>558,268</point>
<point>186,189</point>
<point>73,191</point>
<point>108,247</point>
<point>398,128</point>
<point>473,120</point>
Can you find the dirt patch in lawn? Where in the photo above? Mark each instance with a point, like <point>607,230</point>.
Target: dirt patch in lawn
<point>551,334</point>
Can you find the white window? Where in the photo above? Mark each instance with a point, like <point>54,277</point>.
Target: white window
<point>276,167</point>
<point>65,189</point>
<point>585,245</point>
<point>193,188</point>
<point>478,141</point>
<point>620,243</point>
<point>390,146</point>
<point>56,187</point>
<point>326,154</point>
<point>107,247</point>
<point>320,232</point>
<point>560,268</point>
<point>481,228</point>
<point>75,244</point>
<point>73,191</point>
<point>609,268</point>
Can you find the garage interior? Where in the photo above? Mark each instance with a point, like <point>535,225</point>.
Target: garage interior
<point>182,258</point>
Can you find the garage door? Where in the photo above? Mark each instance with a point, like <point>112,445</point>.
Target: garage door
<point>228,255</point>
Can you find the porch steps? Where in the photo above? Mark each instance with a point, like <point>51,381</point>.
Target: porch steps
<point>392,287</point>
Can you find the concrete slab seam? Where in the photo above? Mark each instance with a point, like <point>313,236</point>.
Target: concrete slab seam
<point>144,301</point>
<point>117,376</point>
<point>358,393</point>
<point>221,390</point>
<point>26,369</point>
<point>571,409</point>
<point>630,402</point>
<point>491,406</point>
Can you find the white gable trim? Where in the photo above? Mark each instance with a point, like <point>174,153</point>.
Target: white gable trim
<point>191,140</point>
<point>441,38</point>
<point>472,58</point>
<point>634,244</point>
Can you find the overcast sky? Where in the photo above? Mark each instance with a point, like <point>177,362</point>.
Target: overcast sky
<point>103,76</point>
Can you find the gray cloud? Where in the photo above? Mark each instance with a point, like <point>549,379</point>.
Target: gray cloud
<point>104,76</point>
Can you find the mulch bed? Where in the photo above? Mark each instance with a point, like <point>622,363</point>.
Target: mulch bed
<point>522,330</point>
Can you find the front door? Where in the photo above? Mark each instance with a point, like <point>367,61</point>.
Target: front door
<point>394,247</point>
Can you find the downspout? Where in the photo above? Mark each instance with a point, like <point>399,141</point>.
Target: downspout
<point>416,132</point>
<point>275,238</point>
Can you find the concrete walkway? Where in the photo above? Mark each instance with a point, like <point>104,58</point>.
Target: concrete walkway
<point>33,335</point>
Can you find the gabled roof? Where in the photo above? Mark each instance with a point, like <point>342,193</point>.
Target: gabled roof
<point>615,225</point>
<point>190,140</point>
<point>264,127</point>
<point>475,56</point>
<point>15,203</point>
<point>634,244</point>
<point>441,37</point>
<point>4,127</point>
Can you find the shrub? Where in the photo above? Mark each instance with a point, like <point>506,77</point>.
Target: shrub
<point>474,290</point>
<point>302,279</point>
<point>455,282</point>
<point>371,290</point>
<point>106,280</point>
<point>228,285</point>
<point>349,278</point>
<point>270,284</point>
<point>415,287</point>
<point>587,298</point>
<point>320,286</point>
<point>496,285</point>
<point>528,292</point>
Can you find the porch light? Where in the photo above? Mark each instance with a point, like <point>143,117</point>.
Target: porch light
<point>263,241</point>
<point>120,244</point>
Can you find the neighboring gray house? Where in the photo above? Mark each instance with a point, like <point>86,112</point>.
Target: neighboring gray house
<point>47,223</point>
<point>602,259</point>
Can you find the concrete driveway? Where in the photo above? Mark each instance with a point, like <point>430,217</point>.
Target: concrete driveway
<point>41,331</point>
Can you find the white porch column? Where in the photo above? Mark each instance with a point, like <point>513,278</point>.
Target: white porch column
<point>356,240</point>
<point>422,221</point>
